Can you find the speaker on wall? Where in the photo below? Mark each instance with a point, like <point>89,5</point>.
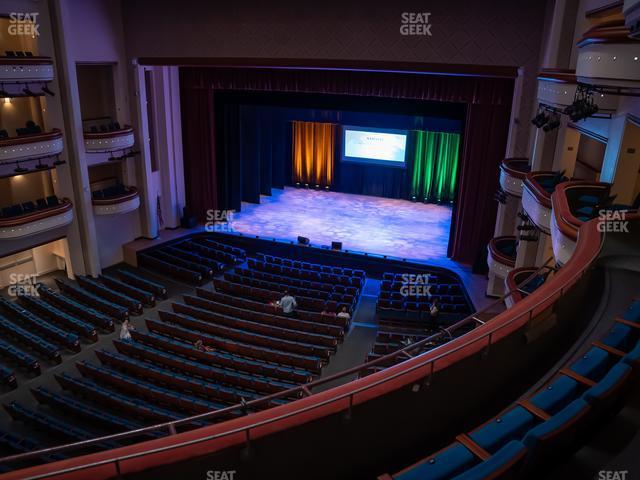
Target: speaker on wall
<point>303,240</point>
<point>336,245</point>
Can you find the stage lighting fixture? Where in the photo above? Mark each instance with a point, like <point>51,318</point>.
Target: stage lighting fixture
<point>326,188</point>
<point>297,184</point>
<point>317,187</point>
<point>20,169</point>
<point>303,240</point>
<point>540,119</point>
<point>583,105</point>
<point>552,124</point>
<point>27,91</point>
<point>45,89</point>
<point>306,185</point>
<point>413,198</point>
<point>41,166</point>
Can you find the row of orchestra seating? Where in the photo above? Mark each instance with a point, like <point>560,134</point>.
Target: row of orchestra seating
<point>550,421</point>
<point>193,260</point>
<point>308,271</point>
<point>178,341</point>
<point>285,284</point>
<point>325,317</point>
<point>39,326</point>
<point>268,295</point>
<point>246,309</point>
<point>42,324</point>
<point>82,295</point>
<point>219,251</point>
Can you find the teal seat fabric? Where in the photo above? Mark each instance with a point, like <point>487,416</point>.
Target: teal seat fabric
<point>444,465</point>
<point>510,426</point>
<point>503,461</point>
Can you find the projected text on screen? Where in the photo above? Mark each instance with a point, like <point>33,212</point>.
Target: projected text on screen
<point>376,146</point>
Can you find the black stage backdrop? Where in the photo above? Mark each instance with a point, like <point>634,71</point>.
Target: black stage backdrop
<point>232,149</point>
<point>256,135</point>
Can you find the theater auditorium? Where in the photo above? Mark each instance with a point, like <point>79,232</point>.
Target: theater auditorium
<point>339,240</point>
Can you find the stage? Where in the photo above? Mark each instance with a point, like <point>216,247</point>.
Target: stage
<point>398,228</point>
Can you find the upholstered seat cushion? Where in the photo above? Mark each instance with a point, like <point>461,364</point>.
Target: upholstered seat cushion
<point>443,465</point>
<point>610,386</point>
<point>510,426</point>
<point>498,464</point>
<point>555,427</point>
<point>593,364</point>
<point>556,395</point>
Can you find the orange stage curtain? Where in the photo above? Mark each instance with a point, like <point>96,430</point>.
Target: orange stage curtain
<point>313,152</point>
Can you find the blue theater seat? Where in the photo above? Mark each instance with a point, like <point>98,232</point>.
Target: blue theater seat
<point>498,432</point>
<point>442,466</point>
<point>556,395</point>
<point>504,461</point>
<point>633,312</point>
<point>592,365</point>
<point>633,357</point>
<point>619,336</point>
<point>557,434</point>
<point>603,394</point>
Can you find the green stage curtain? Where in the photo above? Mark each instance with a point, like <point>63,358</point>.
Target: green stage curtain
<point>313,151</point>
<point>435,165</point>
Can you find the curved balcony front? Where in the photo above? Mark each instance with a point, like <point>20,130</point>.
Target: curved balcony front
<point>24,147</point>
<point>536,197</point>
<point>38,220</point>
<point>608,56</point>
<point>106,142</point>
<point>577,202</point>
<point>15,72</point>
<point>514,283</point>
<point>512,174</point>
<point>115,201</point>
<point>557,88</point>
<point>502,255</point>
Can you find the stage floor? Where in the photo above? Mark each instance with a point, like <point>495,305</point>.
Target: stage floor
<point>393,227</point>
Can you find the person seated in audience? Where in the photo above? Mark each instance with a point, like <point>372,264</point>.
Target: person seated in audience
<point>434,311</point>
<point>288,304</point>
<point>125,330</point>
<point>344,314</point>
<point>199,345</point>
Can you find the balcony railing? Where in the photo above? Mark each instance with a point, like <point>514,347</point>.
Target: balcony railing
<point>512,174</point>
<point>502,255</point>
<point>608,56</point>
<point>36,145</point>
<point>536,197</point>
<point>106,142</point>
<point>16,72</point>
<point>36,221</point>
<point>126,202</point>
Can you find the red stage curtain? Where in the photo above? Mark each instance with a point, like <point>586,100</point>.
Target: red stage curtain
<point>488,100</point>
<point>313,152</point>
<point>198,144</point>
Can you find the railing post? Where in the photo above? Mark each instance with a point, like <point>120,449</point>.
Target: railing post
<point>485,352</point>
<point>427,379</point>
<point>348,413</point>
<point>118,473</point>
<point>172,429</point>
<point>246,453</point>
